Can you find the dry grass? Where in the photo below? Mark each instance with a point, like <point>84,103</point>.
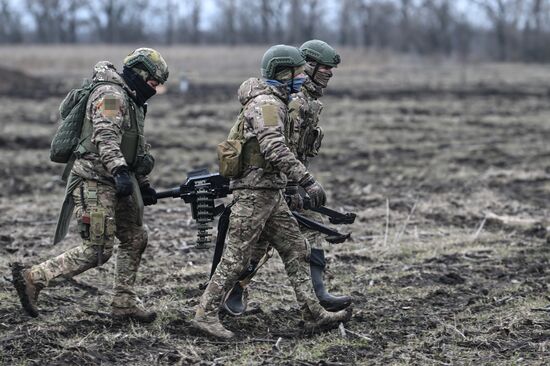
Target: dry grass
<point>436,291</point>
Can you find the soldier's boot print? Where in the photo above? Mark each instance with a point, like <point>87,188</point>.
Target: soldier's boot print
<point>136,313</point>
<point>328,301</point>
<point>27,289</point>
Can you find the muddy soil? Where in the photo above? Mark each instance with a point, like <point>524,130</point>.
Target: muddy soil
<point>448,262</point>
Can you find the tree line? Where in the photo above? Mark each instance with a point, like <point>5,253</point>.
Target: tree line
<point>503,30</point>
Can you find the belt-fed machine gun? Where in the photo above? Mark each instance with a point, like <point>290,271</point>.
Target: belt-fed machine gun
<point>202,188</point>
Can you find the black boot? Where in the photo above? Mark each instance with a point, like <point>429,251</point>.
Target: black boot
<point>328,301</point>
<point>235,301</point>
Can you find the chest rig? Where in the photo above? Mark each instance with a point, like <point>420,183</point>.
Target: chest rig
<point>308,135</point>
<point>132,144</point>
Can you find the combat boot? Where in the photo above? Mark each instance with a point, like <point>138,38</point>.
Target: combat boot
<point>136,313</point>
<point>26,288</point>
<point>328,301</point>
<point>320,319</point>
<point>211,325</point>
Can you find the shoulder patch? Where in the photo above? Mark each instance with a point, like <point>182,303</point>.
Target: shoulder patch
<point>270,115</point>
<point>110,106</point>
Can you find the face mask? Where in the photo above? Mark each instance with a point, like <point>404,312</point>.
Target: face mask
<point>322,77</point>
<point>143,90</point>
<point>295,85</point>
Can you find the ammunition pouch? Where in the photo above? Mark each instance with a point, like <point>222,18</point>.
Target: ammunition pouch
<point>235,157</point>
<point>144,164</point>
<point>310,142</point>
<point>230,158</point>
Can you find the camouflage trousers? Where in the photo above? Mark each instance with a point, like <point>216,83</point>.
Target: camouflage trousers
<point>109,217</point>
<point>314,238</point>
<point>259,217</point>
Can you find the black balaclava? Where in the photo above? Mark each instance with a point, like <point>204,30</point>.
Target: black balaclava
<point>143,90</point>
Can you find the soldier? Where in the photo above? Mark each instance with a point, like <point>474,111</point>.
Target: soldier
<point>260,212</point>
<point>107,186</point>
<point>304,109</point>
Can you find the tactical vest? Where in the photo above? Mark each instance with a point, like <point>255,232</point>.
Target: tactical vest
<point>309,137</point>
<point>133,141</point>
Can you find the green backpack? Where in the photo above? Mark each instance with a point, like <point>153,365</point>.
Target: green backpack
<point>73,113</point>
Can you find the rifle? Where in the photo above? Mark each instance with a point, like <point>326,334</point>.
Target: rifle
<point>202,188</point>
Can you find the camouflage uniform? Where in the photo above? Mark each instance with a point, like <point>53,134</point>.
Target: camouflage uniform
<point>260,213</point>
<point>92,189</point>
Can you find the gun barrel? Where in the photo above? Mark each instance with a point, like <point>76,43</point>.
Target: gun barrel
<point>174,193</point>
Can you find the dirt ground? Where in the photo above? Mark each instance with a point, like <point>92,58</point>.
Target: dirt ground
<point>445,164</point>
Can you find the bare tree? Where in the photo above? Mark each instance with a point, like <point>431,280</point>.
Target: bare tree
<point>195,19</point>
<point>11,29</point>
<point>117,21</point>
<point>55,20</point>
<point>439,26</point>
<point>534,37</point>
<point>295,19</point>
<point>312,18</point>
<point>504,15</point>
<point>227,25</point>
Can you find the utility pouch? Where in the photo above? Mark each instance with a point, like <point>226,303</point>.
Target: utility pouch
<point>84,226</point>
<point>230,158</point>
<point>144,164</point>
<point>97,226</point>
<point>110,227</point>
<point>313,141</point>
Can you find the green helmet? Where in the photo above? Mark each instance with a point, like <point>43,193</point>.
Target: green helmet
<point>149,60</point>
<point>280,56</point>
<point>320,52</point>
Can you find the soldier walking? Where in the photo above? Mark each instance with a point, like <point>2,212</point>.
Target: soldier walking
<point>260,212</point>
<point>304,110</point>
<point>107,185</point>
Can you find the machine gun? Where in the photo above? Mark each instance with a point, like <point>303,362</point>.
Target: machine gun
<point>202,188</point>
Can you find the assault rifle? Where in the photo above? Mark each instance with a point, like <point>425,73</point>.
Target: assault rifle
<point>202,188</point>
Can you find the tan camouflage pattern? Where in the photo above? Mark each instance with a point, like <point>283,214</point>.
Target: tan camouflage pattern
<point>119,212</point>
<point>266,114</point>
<point>259,217</point>
<point>304,109</point>
<point>108,110</point>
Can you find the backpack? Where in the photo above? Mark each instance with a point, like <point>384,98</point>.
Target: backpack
<point>73,112</point>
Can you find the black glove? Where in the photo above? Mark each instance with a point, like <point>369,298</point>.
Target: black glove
<point>148,194</point>
<point>123,182</point>
<point>293,198</point>
<point>314,190</point>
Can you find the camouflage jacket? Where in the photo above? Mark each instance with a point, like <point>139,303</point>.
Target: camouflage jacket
<point>304,110</point>
<point>109,111</point>
<point>265,114</point>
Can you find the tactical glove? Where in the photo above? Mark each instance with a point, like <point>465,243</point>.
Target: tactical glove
<point>123,182</point>
<point>148,194</point>
<point>314,190</point>
<point>293,198</point>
